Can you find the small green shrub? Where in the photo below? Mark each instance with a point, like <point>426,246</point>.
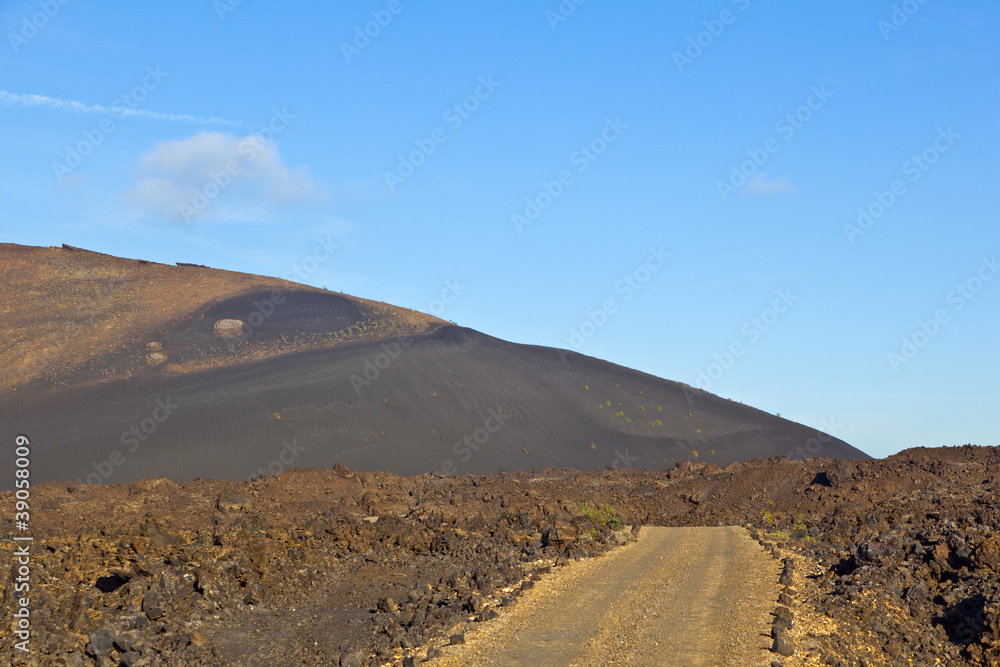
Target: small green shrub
<point>604,515</point>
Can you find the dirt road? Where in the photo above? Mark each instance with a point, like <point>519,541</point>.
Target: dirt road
<point>680,597</point>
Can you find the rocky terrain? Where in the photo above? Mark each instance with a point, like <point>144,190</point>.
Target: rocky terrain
<point>888,562</point>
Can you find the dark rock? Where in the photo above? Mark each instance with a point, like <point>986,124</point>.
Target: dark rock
<point>420,592</point>
<point>918,592</point>
<point>887,544</point>
<point>778,624</point>
<point>784,612</point>
<point>840,473</point>
<point>487,614</point>
<point>150,601</point>
<point>101,643</point>
<point>231,501</point>
<point>783,644</point>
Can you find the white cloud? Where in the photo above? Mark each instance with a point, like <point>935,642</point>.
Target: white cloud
<point>760,185</point>
<point>233,177</point>
<point>55,104</point>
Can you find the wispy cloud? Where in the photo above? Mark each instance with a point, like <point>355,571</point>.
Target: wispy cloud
<point>245,175</point>
<point>763,186</point>
<point>72,106</point>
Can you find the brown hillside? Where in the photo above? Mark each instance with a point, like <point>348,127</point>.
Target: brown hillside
<point>65,308</point>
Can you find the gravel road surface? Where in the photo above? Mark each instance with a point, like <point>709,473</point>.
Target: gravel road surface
<point>682,597</point>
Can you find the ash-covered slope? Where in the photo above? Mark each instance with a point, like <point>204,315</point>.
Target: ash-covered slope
<point>449,399</point>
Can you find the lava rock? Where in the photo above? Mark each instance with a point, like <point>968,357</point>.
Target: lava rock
<point>783,644</point>
<point>102,643</point>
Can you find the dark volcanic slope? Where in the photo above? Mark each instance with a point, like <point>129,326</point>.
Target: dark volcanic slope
<point>453,400</point>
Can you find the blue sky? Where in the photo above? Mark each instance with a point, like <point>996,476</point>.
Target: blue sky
<point>675,189</point>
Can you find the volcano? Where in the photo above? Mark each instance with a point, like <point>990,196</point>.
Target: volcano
<point>122,369</point>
